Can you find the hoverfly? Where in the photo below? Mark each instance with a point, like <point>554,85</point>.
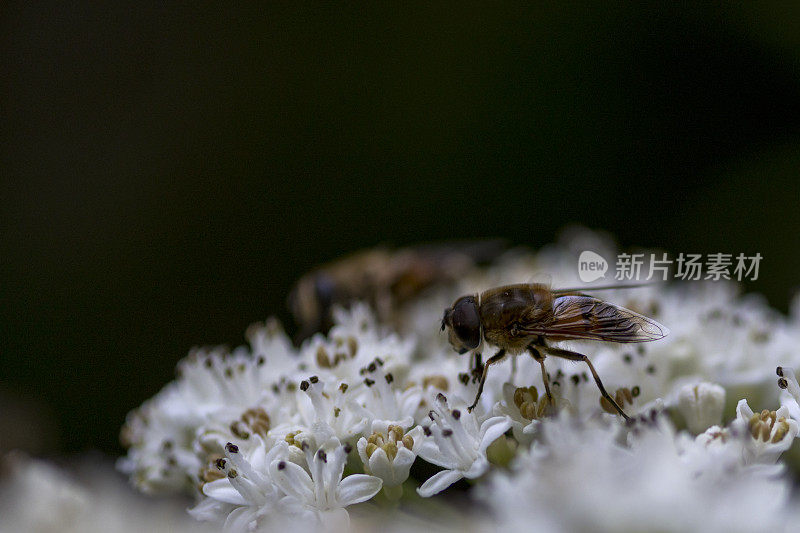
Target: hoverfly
<point>528,316</point>
<point>384,278</point>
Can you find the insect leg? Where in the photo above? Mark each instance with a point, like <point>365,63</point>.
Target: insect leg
<point>496,358</point>
<point>575,356</point>
<point>540,358</point>
<point>513,369</point>
<point>476,367</point>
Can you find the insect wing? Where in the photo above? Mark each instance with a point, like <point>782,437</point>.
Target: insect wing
<point>585,317</point>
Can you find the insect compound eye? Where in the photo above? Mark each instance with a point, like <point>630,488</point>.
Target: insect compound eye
<point>467,322</point>
<point>324,290</point>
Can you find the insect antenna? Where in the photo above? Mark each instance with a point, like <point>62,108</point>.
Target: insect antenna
<point>604,287</point>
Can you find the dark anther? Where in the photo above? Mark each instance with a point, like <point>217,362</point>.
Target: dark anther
<point>430,415</point>
<point>322,456</point>
<point>281,465</point>
<point>389,378</point>
<point>575,379</point>
<point>304,385</point>
<point>441,397</point>
<point>782,383</point>
<point>627,358</point>
<point>260,361</point>
<point>379,361</point>
<point>635,391</point>
<point>372,367</point>
<point>232,448</point>
<point>369,382</point>
<point>456,414</point>
<point>447,432</point>
<point>779,371</point>
<point>463,377</point>
<point>343,388</point>
<point>220,463</point>
<point>426,430</point>
<point>348,448</point>
<point>313,379</point>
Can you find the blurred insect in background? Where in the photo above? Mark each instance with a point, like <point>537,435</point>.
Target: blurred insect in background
<point>384,278</point>
<point>526,317</point>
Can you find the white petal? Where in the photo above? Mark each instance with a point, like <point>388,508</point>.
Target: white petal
<point>477,469</point>
<point>358,488</point>
<point>531,428</point>
<point>743,410</point>
<point>258,458</point>
<point>292,480</point>
<point>240,519</point>
<point>380,466</point>
<point>334,520</point>
<point>404,459</point>
<point>430,451</point>
<point>418,435</point>
<point>438,482</point>
<point>210,510</point>
<point>492,429</point>
<point>222,490</point>
<point>361,446</point>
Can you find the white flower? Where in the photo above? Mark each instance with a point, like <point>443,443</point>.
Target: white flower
<point>43,497</point>
<point>270,345</point>
<point>790,390</point>
<point>267,444</point>
<point>246,496</point>
<point>213,387</point>
<point>386,403</point>
<point>390,454</point>
<point>701,405</point>
<point>582,476</point>
<point>354,342</point>
<point>458,444</point>
<point>770,433</point>
<point>320,495</point>
<point>324,403</point>
<point>525,409</point>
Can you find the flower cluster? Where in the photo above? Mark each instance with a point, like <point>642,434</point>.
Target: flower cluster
<point>271,427</point>
<point>270,435</point>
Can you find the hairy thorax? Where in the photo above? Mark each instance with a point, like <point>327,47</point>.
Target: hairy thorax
<point>506,312</point>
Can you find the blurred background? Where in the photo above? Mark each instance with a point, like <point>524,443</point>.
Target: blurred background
<point>168,173</point>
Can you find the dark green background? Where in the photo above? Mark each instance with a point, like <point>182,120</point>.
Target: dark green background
<point>168,172</point>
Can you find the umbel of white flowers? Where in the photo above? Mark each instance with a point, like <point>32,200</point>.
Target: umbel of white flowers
<point>269,435</point>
